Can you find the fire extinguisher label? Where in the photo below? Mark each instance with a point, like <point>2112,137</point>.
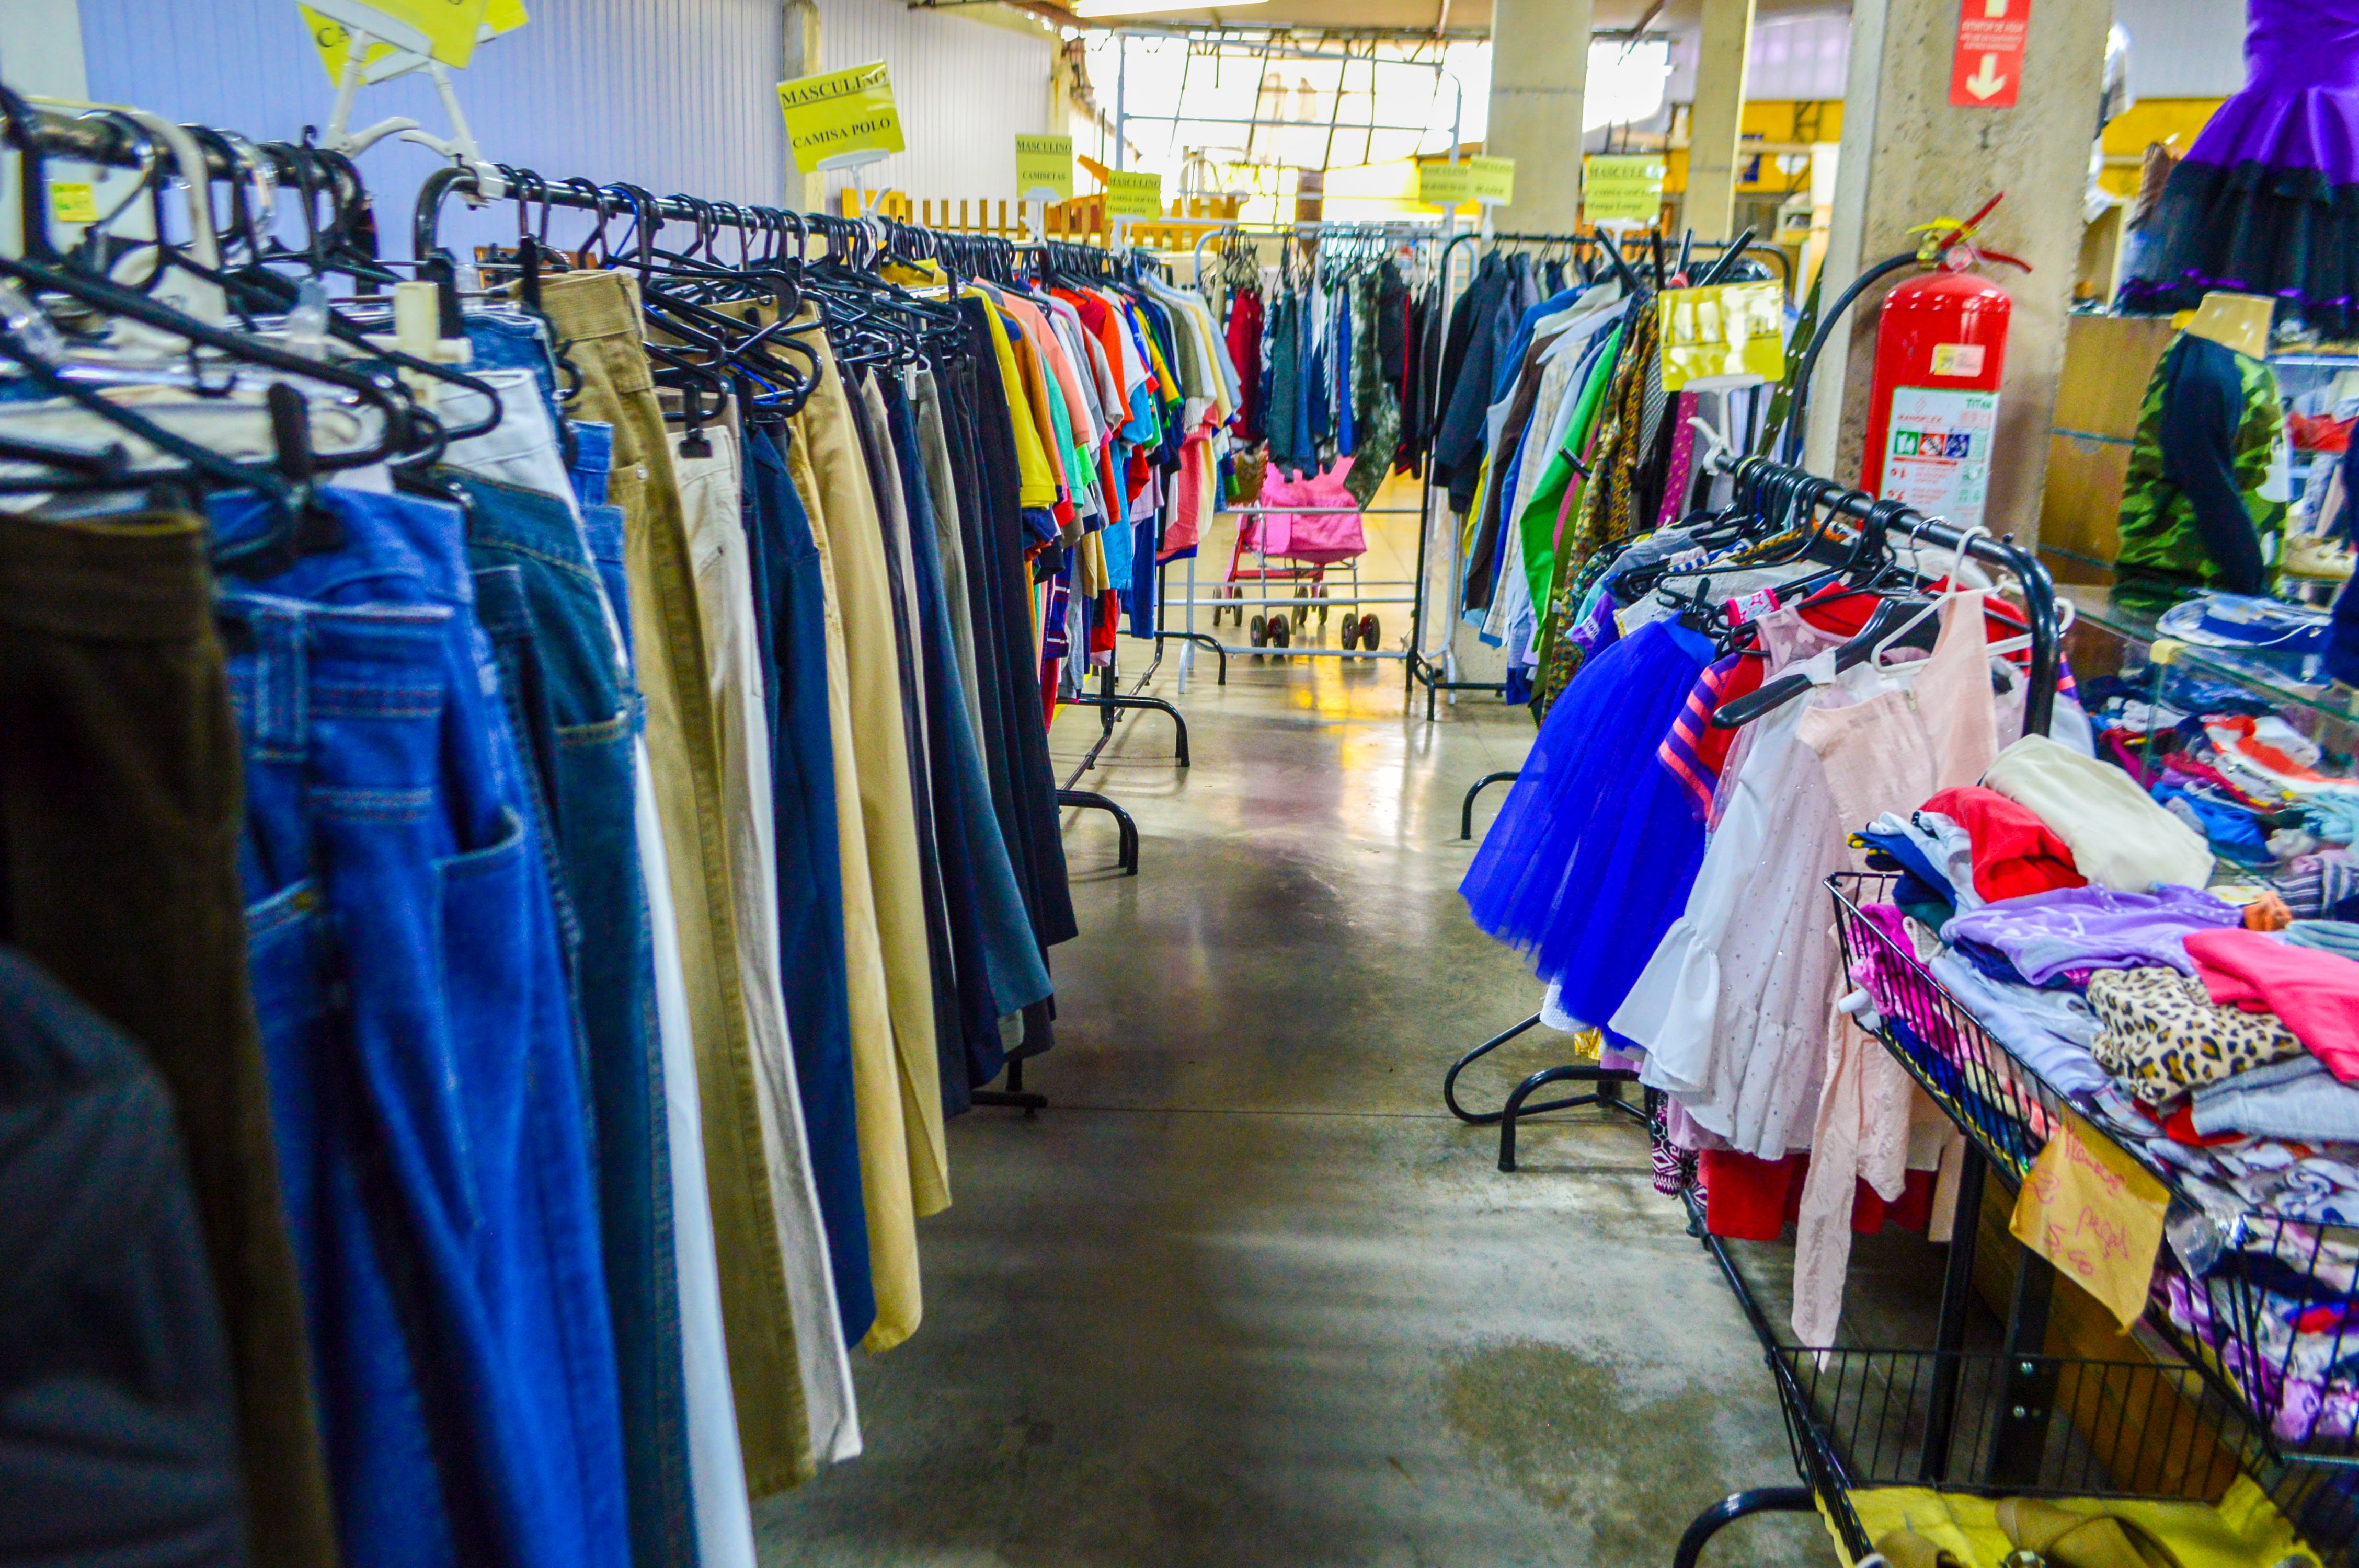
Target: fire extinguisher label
<point>1939,456</point>
<point>1957,359</point>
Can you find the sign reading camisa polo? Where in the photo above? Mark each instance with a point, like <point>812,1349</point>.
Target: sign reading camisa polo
<point>842,118</point>
<point>1130,194</point>
<point>1622,189</point>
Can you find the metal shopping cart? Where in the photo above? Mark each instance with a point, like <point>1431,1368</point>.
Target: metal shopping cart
<point>1307,526</point>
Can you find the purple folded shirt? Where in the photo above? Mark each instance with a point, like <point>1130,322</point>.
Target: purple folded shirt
<point>2045,934</point>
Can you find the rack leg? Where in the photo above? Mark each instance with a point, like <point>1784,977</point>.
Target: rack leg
<point>1466,811</point>
<point>1608,1093</point>
<point>1107,702</point>
<point>1450,1080</point>
<point>1949,1330</point>
<point>2019,1447</point>
<point>1126,852</point>
<point>1734,1506</point>
<point>1014,1095</point>
<point>1204,640</point>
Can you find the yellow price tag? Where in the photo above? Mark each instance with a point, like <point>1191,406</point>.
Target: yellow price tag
<point>1130,194</point>
<point>1044,169</point>
<point>842,118</point>
<point>2095,1213</point>
<point>447,30</point>
<point>1494,178</point>
<point>1448,185</point>
<point>70,203</point>
<point>1729,329</point>
<point>1622,189</point>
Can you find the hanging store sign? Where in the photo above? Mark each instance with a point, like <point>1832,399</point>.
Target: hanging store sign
<point>384,62</point>
<point>1987,71</point>
<point>1494,180</point>
<point>1621,188</point>
<point>1130,194</point>
<point>1727,329</point>
<point>1937,457</point>
<point>1448,185</point>
<point>1044,169</point>
<point>447,30</point>
<point>841,119</point>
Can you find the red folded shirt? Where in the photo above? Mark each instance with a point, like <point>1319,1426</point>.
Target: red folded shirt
<point>2314,994</point>
<point>2014,852</point>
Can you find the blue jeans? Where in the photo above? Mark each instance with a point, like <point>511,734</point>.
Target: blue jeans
<point>510,340</point>
<point>593,459</point>
<point>790,614</point>
<point>570,700</point>
<point>420,1045</point>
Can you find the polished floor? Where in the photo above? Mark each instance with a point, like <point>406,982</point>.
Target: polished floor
<point>1246,1294</point>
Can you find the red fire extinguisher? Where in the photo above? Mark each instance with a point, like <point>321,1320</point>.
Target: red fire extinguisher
<point>1933,411</point>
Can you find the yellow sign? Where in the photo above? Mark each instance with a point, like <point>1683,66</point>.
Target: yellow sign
<point>1622,189</point>
<point>2090,1210</point>
<point>1133,195</point>
<point>1044,169</point>
<point>1448,185</point>
<point>842,118</point>
<point>1494,178</point>
<point>1729,329</point>
<point>70,203</point>
<point>334,40</point>
<point>447,30</point>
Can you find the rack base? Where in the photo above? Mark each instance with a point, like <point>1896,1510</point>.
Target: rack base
<point>1608,1093</point>
<point>1734,1506</point>
<point>1466,811</point>
<point>1014,1096</point>
<point>1126,852</point>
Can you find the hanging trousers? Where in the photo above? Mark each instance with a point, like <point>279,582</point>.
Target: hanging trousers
<point>120,805</point>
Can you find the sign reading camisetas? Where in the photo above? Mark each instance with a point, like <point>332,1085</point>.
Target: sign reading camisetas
<point>1044,169</point>
<point>842,118</point>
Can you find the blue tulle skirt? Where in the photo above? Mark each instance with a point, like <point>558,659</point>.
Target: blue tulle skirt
<point>1591,857</point>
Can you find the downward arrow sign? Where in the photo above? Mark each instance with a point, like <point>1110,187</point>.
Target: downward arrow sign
<point>1986,80</point>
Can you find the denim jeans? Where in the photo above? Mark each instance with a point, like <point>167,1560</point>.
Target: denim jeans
<point>510,340</point>
<point>415,1018</point>
<point>601,524</point>
<point>790,610</point>
<point>570,700</point>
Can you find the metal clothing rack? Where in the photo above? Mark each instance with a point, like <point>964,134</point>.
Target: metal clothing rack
<point>1437,668</point>
<point>1876,519</point>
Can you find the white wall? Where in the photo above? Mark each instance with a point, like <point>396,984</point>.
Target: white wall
<point>2184,48</point>
<point>966,90</point>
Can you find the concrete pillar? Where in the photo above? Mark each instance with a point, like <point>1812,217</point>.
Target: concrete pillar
<point>1909,157</point>
<point>1715,122</point>
<point>800,52</point>
<point>1540,63</point>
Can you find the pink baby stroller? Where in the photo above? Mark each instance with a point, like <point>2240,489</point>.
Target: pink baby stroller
<point>1307,524</point>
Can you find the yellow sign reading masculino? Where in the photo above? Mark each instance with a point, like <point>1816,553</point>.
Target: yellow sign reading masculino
<point>1622,189</point>
<point>1130,194</point>
<point>1044,169</point>
<point>840,118</point>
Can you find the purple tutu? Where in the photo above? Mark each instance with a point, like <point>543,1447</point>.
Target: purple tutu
<point>2266,201</point>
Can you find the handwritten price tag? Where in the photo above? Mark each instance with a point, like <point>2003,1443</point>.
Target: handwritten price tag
<point>2088,1208</point>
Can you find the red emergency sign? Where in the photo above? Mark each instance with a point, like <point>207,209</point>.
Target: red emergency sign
<point>1987,72</point>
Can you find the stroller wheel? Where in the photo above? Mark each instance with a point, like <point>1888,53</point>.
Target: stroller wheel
<point>1258,631</point>
<point>1351,633</point>
<point>1280,634</point>
<point>1368,632</point>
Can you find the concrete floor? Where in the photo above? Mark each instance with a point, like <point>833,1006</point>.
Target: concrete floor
<point>1246,1294</point>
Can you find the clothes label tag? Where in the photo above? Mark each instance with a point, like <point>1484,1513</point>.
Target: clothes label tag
<point>72,203</point>
<point>1752,606</point>
<point>2090,1210</point>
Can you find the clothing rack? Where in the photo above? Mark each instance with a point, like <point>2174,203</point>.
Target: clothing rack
<point>1317,230</point>
<point>1757,480</point>
<point>1437,668</point>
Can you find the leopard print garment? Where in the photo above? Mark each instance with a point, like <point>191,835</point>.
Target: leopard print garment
<point>2164,1035</point>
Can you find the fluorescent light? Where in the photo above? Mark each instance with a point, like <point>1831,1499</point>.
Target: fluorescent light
<point>1096,10</point>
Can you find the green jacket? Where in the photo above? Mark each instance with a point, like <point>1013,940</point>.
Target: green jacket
<point>2192,512</point>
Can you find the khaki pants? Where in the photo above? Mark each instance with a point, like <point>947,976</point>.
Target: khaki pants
<point>597,313</point>
<point>855,545</point>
